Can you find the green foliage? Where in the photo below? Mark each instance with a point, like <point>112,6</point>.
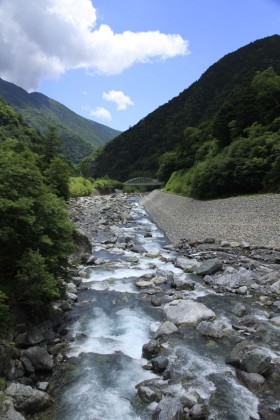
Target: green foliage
<point>107,184</point>
<point>79,186</point>
<point>250,164</point>
<point>35,231</point>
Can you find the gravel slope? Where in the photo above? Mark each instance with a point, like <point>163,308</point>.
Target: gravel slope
<point>253,219</point>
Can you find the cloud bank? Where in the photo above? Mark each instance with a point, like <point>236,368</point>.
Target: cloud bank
<point>43,39</point>
<point>121,100</point>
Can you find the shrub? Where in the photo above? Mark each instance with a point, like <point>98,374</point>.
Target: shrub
<point>79,186</point>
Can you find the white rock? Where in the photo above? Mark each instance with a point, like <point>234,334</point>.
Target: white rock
<point>187,312</point>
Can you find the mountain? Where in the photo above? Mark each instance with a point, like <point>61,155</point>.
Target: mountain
<point>171,128</point>
<point>79,134</point>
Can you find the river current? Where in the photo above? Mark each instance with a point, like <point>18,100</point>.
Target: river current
<point>112,321</point>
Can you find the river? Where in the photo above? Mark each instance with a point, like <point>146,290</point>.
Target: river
<point>114,318</point>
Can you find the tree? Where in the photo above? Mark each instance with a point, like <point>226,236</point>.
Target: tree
<point>35,231</point>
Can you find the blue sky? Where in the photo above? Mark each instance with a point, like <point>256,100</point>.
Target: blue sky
<point>115,61</point>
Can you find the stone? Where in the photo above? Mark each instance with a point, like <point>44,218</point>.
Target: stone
<point>169,409</point>
<point>252,381</point>
<point>256,361</point>
<point>159,364</point>
<point>183,282</point>
<point>139,249</point>
<point>155,301</point>
<point>142,284</point>
<point>209,267</point>
<point>275,287</point>
<point>239,309</point>
<point>187,312</point>
<point>28,399</point>
<point>148,395</point>
<point>238,351</point>
<point>242,290</point>
<point>276,306</point>
<point>199,411</point>
<point>189,399</point>
<point>40,359</point>
<point>71,287</point>
<point>151,349</point>
<point>210,329</point>
<point>275,320</point>
<point>187,264</point>
<point>8,412</point>
<point>71,296</point>
<point>166,328</point>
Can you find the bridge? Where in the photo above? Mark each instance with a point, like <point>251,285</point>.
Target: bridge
<point>143,181</point>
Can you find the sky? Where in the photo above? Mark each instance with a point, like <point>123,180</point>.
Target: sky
<point>115,61</point>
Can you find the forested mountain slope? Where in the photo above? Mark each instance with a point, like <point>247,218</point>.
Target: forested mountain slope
<point>205,118</point>
<point>79,134</point>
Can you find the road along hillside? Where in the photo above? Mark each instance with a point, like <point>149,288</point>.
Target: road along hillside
<point>254,219</point>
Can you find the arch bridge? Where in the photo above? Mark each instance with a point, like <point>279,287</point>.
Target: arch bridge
<point>145,181</point>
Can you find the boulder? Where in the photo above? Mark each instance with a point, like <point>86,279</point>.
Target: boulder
<point>28,399</point>
<point>169,409</point>
<point>199,411</point>
<point>209,267</point>
<point>187,312</point>
<point>256,361</point>
<point>183,282</point>
<point>210,329</point>
<point>252,381</point>
<point>151,349</point>
<point>159,364</point>
<point>7,410</point>
<point>40,359</point>
<point>239,309</point>
<point>187,264</point>
<point>166,328</point>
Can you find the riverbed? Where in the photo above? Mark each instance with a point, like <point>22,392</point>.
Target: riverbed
<point>127,281</point>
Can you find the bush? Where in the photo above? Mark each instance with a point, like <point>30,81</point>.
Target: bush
<point>79,186</point>
<point>107,184</point>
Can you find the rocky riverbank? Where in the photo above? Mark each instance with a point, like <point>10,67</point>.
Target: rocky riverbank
<point>214,353</point>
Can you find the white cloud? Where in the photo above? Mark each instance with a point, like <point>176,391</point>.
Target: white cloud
<point>101,113</point>
<point>119,98</point>
<point>41,39</point>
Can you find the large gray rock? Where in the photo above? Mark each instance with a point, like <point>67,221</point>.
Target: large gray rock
<point>169,409</point>
<point>256,361</point>
<point>159,364</point>
<point>252,381</point>
<point>28,399</point>
<point>166,328</point>
<point>209,267</point>
<point>151,349</point>
<point>210,329</point>
<point>39,358</point>
<point>183,282</point>
<point>187,264</point>
<point>8,412</point>
<point>187,312</point>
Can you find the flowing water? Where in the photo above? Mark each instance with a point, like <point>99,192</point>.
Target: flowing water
<point>112,322</point>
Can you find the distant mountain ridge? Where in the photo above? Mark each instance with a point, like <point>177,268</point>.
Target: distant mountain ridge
<point>79,134</point>
<point>137,151</point>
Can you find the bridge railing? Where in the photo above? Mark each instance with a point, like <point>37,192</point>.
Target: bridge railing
<point>143,181</point>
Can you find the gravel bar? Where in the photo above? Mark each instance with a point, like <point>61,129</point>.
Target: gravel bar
<point>254,219</point>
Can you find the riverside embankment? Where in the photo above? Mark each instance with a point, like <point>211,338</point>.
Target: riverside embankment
<point>254,219</point>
